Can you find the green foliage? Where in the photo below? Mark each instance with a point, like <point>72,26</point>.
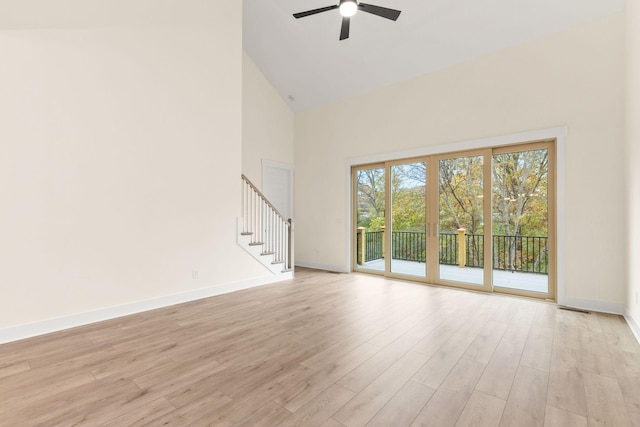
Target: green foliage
<point>520,183</point>
<point>408,192</point>
<point>376,224</point>
<point>519,195</point>
<point>461,194</point>
<point>370,198</point>
<point>409,209</point>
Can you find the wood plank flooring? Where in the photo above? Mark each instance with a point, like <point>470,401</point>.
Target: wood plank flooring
<point>331,350</point>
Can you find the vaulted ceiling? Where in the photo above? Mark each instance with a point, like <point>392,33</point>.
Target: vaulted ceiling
<point>309,67</point>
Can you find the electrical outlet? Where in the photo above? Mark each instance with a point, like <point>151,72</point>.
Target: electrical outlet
<point>195,274</point>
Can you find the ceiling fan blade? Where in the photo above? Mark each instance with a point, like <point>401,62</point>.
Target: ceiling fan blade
<point>344,31</point>
<point>314,11</point>
<point>380,11</point>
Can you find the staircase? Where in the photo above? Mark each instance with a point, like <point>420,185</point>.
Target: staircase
<point>264,232</point>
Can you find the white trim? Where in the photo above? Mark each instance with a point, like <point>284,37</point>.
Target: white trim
<point>326,267</point>
<point>349,225</point>
<point>495,141</point>
<point>599,306</point>
<point>66,322</point>
<point>561,218</point>
<point>279,165</point>
<point>635,329</point>
<point>557,133</point>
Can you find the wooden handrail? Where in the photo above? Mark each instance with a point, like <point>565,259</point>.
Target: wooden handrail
<point>264,199</point>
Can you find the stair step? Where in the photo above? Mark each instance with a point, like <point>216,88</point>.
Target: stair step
<point>268,253</point>
<point>246,233</point>
<point>277,262</point>
<point>287,270</point>
<point>256,244</point>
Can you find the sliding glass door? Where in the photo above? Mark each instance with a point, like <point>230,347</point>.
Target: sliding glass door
<point>461,219</point>
<point>408,244</point>
<point>370,207</point>
<point>522,224</point>
<point>480,219</point>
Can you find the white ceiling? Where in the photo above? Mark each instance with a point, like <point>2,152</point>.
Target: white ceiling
<point>304,60</point>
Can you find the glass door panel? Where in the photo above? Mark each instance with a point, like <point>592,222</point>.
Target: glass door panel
<point>461,219</point>
<point>408,219</point>
<point>520,206</point>
<point>370,218</point>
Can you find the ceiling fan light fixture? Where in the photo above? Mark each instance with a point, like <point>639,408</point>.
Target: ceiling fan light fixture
<point>348,8</point>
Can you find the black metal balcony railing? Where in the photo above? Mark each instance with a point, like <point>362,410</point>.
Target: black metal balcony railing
<point>474,249</point>
<point>408,245</point>
<point>373,245</point>
<point>528,254</point>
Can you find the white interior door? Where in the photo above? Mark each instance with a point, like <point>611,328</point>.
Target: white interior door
<point>277,186</point>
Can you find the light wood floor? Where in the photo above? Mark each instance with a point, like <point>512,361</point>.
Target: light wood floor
<point>332,350</point>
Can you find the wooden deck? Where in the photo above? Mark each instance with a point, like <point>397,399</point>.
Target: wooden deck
<point>329,349</point>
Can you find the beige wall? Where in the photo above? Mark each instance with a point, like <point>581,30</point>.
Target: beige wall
<point>120,162</point>
<point>41,14</point>
<point>573,79</point>
<point>267,124</point>
<point>633,157</point>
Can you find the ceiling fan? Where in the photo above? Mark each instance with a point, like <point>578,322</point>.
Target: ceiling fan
<point>347,9</point>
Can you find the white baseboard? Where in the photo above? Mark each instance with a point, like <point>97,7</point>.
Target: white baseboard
<point>326,267</point>
<point>66,322</point>
<point>633,325</point>
<point>593,305</point>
